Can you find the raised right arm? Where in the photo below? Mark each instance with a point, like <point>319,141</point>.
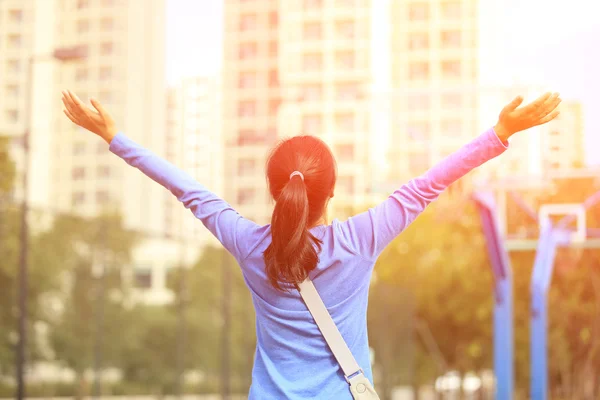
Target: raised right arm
<point>370,232</point>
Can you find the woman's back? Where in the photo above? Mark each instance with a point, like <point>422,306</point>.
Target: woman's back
<point>292,358</point>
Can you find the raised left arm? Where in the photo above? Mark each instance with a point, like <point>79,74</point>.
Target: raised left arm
<point>220,218</point>
<point>229,227</point>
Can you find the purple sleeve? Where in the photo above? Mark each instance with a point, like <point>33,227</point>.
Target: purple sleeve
<point>370,232</point>
<point>218,216</point>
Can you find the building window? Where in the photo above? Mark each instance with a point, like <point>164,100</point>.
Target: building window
<point>451,10</point>
<point>245,196</point>
<point>247,80</point>
<point>274,106</point>
<point>143,278</point>
<point>81,74</point>
<point>247,22</point>
<point>15,41</point>
<point>345,122</point>
<point>78,173</point>
<point>77,198</point>
<point>313,30</point>
<point>15,16</point>
<point>345,59</point>
<point>12,115</point>
<point>451,69</point>
<point>418,131</point>
<point>103,171</point>
<point>347,92</point>
<point>273,49</point>
<point>107,24</point>
<point>102,197</point>
<point>419,102</point>
<point>450,39</point>
<point>78,148</point>
<point>418,11</point>
<point>312,124</point>
<point>313,4</point>
<point>312,92</point>
<point>14,66</point>
<point>273,78</point>
<point>105,97</point>
<point>452,100</point>
<point>452,128</point>
<point>81,4</point>
<point>345,152</point>
<point>106,48</point>
<point>83,26</point>
<point>346,184</point>
<point>345,29</point>
<point>13,91</point>
<point>313,61</point>
<point>247,51</point>
<point>247,109</point>
<point>418,41</point>
<point>273,19</point>
<point>418,70</point>
<point>105,73</point>
<point>246,167</point>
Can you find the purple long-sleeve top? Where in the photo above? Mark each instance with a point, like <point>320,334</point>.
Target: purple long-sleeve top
<point>292,360</point>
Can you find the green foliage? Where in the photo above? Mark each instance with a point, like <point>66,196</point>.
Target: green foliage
<point>7,167</point>
<point>440,266</point>
<point>83,248</point>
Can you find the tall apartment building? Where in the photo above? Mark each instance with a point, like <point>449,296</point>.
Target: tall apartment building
<point>193,144</point>
<point>435,77</point>
<point>392,86</point>
<point>73,170</point>
<point>328,65</point>
<point>125,70</point>
<point>251,99</point>
<point>563,140</point>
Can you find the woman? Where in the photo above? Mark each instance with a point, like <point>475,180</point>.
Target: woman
<point>292,360</point>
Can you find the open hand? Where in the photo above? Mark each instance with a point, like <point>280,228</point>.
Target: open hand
<point>99,121</point>
<point>513,119</point>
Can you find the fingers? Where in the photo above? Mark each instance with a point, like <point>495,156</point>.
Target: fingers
<point>79,108</point>
<point>103,113</point>
<point>70,107</point>
<point>548,117</point>
<point>533,107</point>
<point>549,106</point>
<point>71,117</point>
<point>513,104</point>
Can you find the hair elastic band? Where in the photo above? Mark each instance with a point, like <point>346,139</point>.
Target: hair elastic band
<point>297,173</point>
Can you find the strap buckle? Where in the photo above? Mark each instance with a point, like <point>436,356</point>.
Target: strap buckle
<point>348,377</point>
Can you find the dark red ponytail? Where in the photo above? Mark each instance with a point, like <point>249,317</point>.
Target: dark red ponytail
<point>299,205</point>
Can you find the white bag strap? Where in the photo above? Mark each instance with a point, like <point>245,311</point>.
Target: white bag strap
<point>330,332</point>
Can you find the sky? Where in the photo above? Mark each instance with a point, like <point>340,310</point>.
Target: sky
<point>553,42</point>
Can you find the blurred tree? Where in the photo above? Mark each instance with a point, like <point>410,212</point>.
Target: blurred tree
<point>9,228</point>
<point>91,253</point>
<point>44,269</point>
<point>205,318</point>
<point>7,167</point>
<point>441,262</point>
